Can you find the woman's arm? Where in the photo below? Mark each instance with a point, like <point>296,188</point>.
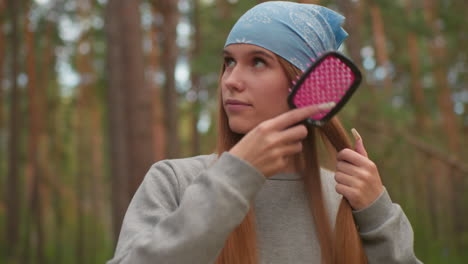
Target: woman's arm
<point>159,229</point>
<point>386,232</point>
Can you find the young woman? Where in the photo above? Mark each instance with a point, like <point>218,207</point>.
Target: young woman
<point>263,197</point>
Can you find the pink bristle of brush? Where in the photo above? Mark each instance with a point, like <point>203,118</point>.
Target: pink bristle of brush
<point>328,82</point>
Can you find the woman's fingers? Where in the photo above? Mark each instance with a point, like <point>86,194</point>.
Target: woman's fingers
<point>297,115</point>
<point>346,179</point>
<point>357,176</point>
<point>352,157</point>
<point>347,168</point>
<point>269,145</point>
<point>291,149</point>
<point>351,195</point>
<point>281,155</point>
<point>359,145</point>
<point>292,134</point>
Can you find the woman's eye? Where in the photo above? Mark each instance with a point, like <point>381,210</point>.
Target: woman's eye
<point>229,62</point>
<point>259,62</point>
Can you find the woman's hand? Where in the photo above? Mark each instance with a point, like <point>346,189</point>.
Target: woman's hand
<point>357,177</point>
<point>269,145</point>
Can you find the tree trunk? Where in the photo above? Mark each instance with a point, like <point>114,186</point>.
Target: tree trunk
<point>170,12</point>
<point>423,122</point>
<point>2,59</point>
<point>118,110</point>
<point>223,8</point>
<point>13,201</point>
<point>195,78</point>
<point>353,11</point>
<point>160,147</point>
<point>138,96</point>
<point>85,101</point>
<point>84,153</point>
<point>437,47</point>
<point>35,128</point>
<point>129,106</point>
<point>50,161</point>
<point>90,147</point>
<point>438,51</point>
<point>380,44</point>
<point>98,193</point>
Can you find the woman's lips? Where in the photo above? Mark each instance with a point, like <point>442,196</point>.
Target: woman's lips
<point>233,105</point>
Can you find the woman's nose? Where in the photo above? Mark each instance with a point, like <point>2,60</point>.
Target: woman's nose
<point>235,79</point>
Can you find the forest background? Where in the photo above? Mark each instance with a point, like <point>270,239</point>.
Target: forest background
<point>92,92</point>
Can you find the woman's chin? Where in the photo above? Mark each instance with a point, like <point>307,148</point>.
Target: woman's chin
<point>240,127</point>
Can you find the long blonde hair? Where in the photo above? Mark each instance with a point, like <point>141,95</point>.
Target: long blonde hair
<point>341,246</point>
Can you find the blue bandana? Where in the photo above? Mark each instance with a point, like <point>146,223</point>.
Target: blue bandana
<point>296,32</point>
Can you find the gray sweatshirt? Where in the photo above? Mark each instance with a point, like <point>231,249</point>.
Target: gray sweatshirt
<point>186,208</point>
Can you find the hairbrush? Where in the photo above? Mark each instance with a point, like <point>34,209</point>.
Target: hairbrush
<point>330,78</point>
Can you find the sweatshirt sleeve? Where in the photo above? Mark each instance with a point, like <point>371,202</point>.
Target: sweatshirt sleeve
<point>386,232</point>
<point>158,228</point>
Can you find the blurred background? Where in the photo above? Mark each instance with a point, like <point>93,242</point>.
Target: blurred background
<point>92,92</point>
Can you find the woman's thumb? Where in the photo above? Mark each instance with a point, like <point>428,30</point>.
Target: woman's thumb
<point>359,145</point>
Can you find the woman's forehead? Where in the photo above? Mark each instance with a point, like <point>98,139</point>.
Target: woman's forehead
<point>243,48</point>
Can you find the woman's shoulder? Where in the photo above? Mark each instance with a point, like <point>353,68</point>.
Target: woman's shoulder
<point>185,169</point>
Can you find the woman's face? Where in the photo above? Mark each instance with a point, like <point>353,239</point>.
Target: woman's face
<point>254,86</point>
